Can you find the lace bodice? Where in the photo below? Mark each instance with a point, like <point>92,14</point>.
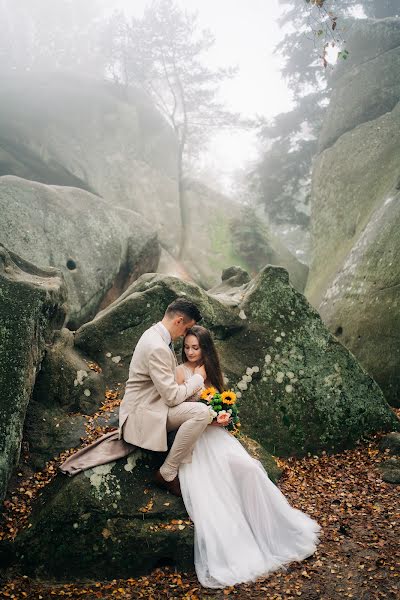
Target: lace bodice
<point>187,375</point>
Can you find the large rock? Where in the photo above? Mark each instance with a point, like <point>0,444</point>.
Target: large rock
<point>362,303</point>
<point>67,388</point>
<point>355,272</point>
<point>391,443</point>
<point>110,522</point>
<point>65,130</point>
<point>32,302</point>
<point>48,432</point>
<point>307,393</point>
<point>66,380</point>
<point>99,249</point>
<point>369,86</point>
<point>232,287</point>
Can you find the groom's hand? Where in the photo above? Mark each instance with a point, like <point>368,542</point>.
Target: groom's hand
<point>201,371</point>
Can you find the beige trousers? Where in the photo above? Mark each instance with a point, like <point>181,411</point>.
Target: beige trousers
<point>190,419</point>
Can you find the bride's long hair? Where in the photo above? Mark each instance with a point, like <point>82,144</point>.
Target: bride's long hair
<point>209,355</point>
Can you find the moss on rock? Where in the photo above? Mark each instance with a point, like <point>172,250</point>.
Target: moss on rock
<point>32,304</point>
<point>309,393</point>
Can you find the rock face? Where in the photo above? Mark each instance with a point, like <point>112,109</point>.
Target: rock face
<point>362,303</point>
<point>368,85</point>
<point>110,521</point>
<point>355,274</point>
<point>66,380</point>
<point>66,388</point>
<point>32,305</point>
<point>209,239</point>
<point>99,249</point>
<point>97,137</point>
<point>302,390</point>
<point>92,135</point>
<point>208,247</point>
<point>50,431</point>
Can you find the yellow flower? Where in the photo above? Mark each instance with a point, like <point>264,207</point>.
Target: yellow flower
<point>208,393</point>
<point>228,397</point>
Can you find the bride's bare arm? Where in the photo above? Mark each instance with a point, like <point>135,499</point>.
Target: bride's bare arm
<point>179,375</point>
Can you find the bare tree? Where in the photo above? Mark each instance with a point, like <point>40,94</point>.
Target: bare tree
<point>164,53</point>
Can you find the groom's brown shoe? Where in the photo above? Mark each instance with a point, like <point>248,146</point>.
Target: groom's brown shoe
<point>171,486</point>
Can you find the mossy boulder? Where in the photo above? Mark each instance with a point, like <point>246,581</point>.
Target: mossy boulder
<point>108,522</point>
<point>305,392</point>
<point>99,249</point>
<point>391,442</point>
<point>50,431</point>
<point>66,388</point>
<point>66,380</point>
<point>390,470</point>
<point>32,302</point>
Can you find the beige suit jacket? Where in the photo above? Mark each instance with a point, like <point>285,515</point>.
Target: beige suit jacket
<point>150,391</point>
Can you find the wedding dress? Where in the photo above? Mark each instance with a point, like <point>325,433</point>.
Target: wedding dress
<point>244,526</point>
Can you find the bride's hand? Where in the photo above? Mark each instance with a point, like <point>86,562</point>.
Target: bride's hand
<point>215,423</point>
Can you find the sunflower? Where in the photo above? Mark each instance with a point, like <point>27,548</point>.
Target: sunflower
<point>228,397</point>
<point>208,393</point>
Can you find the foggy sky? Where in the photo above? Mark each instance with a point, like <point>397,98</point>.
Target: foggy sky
<point>246,33</point>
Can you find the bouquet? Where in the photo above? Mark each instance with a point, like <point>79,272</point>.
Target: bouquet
<point>222,407</point>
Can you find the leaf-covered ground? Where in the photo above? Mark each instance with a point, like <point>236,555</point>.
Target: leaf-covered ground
<point>358,557</point>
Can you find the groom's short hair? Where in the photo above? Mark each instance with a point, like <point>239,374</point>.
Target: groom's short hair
<point>184,307</point>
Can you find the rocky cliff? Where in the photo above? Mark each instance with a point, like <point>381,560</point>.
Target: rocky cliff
<point>355,274</point>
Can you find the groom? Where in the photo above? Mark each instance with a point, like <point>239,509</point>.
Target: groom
<point>154,403</point>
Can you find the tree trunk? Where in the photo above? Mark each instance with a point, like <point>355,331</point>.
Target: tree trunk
<point>182,205</point>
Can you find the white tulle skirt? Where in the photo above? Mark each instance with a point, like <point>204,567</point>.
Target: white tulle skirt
<point>244,526</point>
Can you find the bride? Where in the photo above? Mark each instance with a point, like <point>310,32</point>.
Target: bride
<point>244,526</point>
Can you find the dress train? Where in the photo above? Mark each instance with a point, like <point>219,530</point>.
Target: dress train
<point>244,526</point>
